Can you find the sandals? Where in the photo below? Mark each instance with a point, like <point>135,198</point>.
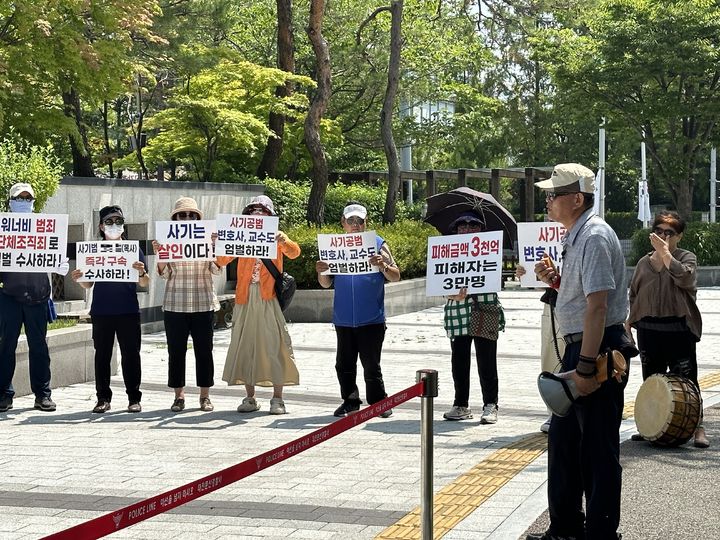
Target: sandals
<point>178,405</point>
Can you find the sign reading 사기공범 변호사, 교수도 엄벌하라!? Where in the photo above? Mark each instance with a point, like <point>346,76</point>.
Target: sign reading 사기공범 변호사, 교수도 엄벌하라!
<point>246,236</point>
<point>348,253</point>
<point>534,241</point>
<point>185,240</point>
<point>32,242</point>
<point>472,261</point>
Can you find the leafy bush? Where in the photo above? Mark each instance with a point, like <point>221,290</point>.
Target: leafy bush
<point>407,240</point>
<point>291,198</point>
<point>625,224</point>
<point>703,239</point>
<point>35,165</point>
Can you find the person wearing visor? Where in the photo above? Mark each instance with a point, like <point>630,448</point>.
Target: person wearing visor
<point>591,307</point>
<point>663,308</point>
<point>359,318</point>
<point>260,351</point>
<point>457,326</point>
<point>115,312</point>
<point>189,307</point>
<point>24,301</point>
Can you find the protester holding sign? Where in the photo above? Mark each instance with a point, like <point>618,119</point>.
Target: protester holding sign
<point>24,301</point>
<point>474,318</point>
<point>260,352</point>
<point>189,307</point>
<point>359,316</point>
<point>115,312</point>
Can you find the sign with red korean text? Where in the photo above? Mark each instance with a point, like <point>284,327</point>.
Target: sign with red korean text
<point>184,240</point>
<point>472,261</point>
<point>348,253</point>
<point>247,236</point>
<point>534,241</point>
<point>32,242</point>
<point>108,260</point>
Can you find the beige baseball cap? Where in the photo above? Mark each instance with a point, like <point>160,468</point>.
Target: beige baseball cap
<point>569,178</point>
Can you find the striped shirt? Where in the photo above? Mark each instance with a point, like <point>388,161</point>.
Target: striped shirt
<point>457,313</point>
<point>190,287</point>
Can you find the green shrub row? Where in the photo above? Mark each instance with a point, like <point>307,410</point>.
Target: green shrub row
<point>291,198</point>
<point>703,239</point>
<point>407,240</point>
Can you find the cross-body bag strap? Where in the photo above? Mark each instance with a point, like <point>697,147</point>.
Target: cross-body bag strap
<point>271,268</point>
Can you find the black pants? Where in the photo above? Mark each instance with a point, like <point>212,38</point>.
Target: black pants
<point>365,341</point>
<point>584,457</point>
<point>669,352</point>
<point>127,330</point>
<point>178,326</point>
<point>486,357</point>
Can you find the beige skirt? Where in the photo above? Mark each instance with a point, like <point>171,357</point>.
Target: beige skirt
<point>260,352</point>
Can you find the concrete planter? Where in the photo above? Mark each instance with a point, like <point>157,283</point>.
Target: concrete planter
<point>71,358</point>
<point>402,297</point>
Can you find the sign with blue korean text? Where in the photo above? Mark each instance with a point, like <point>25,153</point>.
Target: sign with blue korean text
<point>472,261</point>
<point>246,236</point>
<point>185,240</point>
<point>348,253</point>
<point>32,242</point>
<point>108,260</point>
<point>534,241</point>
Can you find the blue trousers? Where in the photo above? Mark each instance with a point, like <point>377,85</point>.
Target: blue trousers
<point>13,315</point>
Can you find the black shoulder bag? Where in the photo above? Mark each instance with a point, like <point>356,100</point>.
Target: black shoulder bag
<point>285,285</point>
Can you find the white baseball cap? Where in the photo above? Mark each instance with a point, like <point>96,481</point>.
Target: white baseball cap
<point>569,178</point>
<point>357,210</point>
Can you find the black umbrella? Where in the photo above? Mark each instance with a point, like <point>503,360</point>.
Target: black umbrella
<point>444,208</point>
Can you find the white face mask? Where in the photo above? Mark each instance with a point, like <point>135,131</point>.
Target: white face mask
<point>114,232</point>
<point>20,206</point>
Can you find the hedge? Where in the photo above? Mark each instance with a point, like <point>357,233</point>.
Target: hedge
<point>703,239</point>
<point>407,240</point>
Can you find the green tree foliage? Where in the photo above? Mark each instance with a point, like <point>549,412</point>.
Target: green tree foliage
<point>219,126</point>
<point>651,67</point>
<point>34,165</point>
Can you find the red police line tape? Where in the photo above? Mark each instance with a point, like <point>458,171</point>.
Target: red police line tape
<point>140,511</point>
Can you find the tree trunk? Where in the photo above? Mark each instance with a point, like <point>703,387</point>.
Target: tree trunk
<point>683,194</point>
<point>138,134</point>
<point>286,62</point>
<point>106,140</point>
<point>316,202</point>
<point>81,157</point>
<point>386,115</point>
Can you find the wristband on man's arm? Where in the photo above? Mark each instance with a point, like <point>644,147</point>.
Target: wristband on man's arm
<point>587,367</point>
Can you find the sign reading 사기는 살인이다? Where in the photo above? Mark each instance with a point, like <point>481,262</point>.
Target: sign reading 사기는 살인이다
<point>185,240</point>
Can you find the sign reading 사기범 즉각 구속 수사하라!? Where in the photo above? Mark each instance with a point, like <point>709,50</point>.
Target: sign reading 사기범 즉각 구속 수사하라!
<point>108,260</point>
<point>534,241</point>
<point>472,261</point>
<point>185,240</point>
<point>32,242</point>
<point>348,253</point>
<point>246,236</point>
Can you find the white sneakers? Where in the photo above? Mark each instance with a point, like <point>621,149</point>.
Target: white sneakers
<point>249,404</point>
<point>489,414</point>
<point>277,406</point>
<point>458,413</point>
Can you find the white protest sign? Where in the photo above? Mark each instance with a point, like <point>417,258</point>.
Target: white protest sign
<point>348,253</point>
<point>185,240</point>
<point>247,236</point>
<point>108,260</point>
<point>534,241</point>
<point>32,242</point>
<point>472,261</point>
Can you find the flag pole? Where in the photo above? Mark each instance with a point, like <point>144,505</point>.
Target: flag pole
<point>601,168</point>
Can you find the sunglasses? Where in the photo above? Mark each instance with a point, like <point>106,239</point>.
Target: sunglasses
<point>354,220</point>
<point>23,198</point>
<point>664,232</point>
<point>552,195</point>
<point>187,215</point>
<point>114,221</point>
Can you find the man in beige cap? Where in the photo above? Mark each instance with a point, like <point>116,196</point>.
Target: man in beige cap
<point>584,446</point>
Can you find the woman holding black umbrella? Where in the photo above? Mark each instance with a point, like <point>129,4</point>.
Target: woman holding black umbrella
<point>463,331</point>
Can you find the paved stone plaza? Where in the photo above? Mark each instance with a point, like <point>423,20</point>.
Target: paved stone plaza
<point>62,468</point>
